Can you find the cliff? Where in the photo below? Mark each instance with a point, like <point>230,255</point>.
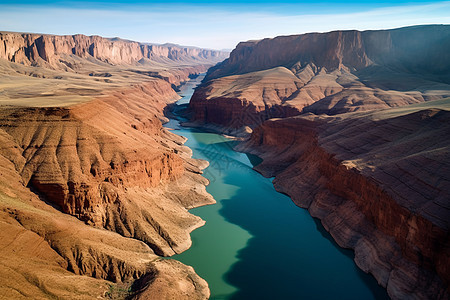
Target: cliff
<point>236,101</point>
<point>326,73</point>
<point>412,49</point>
<point>91,183</point>
<point>376,183</point>
<point>50,50</point>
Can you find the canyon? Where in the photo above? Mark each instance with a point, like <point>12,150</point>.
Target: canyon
<point>94,191</point>
<point>351,125</point>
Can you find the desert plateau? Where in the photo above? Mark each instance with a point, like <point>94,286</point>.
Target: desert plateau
<point>308,159</point>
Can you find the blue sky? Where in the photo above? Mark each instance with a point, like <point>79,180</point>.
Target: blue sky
<point>213,24</point>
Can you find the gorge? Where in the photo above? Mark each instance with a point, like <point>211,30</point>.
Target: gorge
<point>350,124</point>
<point>264,238</point>
<point>99,199</point>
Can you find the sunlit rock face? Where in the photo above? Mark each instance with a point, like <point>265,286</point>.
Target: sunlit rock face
<point>25,48</point>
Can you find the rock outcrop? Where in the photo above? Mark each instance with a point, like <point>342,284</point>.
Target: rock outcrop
<point>326,73</point>
<point>90,182</point>
<point>378,181</point>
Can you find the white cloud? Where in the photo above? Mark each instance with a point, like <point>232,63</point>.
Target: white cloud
<point>208,27</point>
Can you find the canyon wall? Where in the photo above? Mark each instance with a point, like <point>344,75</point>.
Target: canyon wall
<point>116,170</point>
<point>91,183</point>
<point>29,49</point>
<point>326,73</point>
<point>377,186</point>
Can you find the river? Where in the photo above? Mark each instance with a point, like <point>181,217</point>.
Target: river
<point>257,244</point>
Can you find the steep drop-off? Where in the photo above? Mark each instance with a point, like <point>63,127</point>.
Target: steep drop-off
<point>91,183</point>
<point>378,181</point>
<point>331,73</point>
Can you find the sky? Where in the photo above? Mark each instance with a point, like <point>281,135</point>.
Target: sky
<point>214,24</point>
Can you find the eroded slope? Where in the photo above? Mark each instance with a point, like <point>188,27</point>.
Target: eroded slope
<point>93,189</point>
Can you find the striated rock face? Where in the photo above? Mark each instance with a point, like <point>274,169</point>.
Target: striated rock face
<point>377,184</point>
<point>49,50</point>
<point>237,101</point>
<point>90,182</point>
<point>326,73</point>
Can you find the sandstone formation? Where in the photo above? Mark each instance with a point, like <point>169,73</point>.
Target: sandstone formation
<point>331,73</point>
<point>379,183</point>
<point>90,182</point>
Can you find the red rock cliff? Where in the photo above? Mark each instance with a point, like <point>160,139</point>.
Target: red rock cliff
<point>83,158</point>
<point>90,182</point>
<point>417,48</point>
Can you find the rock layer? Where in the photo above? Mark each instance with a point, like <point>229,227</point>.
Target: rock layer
<point>358,173</point>
<point>326,73</point>
<point>237,101</point>
<point>118,171</point>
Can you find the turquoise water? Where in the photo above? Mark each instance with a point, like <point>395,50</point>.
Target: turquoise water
<point>256,243</point>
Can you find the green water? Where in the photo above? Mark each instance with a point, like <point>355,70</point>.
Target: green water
<point>256,243</point>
